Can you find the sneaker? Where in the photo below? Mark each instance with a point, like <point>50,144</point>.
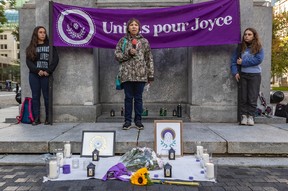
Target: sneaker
<point>126,125</point>
<point>250,120</point>
<point>244,120</point>
<point>139,125</point>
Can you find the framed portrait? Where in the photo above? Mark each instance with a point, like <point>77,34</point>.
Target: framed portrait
<point>168,133</point>
<point>103,141</point>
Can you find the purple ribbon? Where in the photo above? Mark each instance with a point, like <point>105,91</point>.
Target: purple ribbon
<point>117,171</point>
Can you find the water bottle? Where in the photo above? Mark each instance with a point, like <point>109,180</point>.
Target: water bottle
<point>179,110</point>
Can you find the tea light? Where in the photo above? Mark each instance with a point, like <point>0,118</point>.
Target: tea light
<point>209,170</point>
<point>66,169</point>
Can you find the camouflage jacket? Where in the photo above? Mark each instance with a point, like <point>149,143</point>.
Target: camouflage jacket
<point>137,68</point>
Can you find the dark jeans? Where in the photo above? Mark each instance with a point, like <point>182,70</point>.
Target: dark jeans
<point>250,87</point>
<point>133,90</point>
<point>37,84</point>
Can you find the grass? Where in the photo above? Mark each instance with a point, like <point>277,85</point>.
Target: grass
<point>280,88</point>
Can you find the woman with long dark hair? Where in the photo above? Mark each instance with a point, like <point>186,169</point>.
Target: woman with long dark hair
<point>37,60</point>
<point>245,67</point>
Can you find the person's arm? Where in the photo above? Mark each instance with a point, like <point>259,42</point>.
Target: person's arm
<point>252,60</point>
<point>233,66</point>
<point>122,56</point>
<point>149,63</point>
<point>54,62</point>
<point>32,67</point>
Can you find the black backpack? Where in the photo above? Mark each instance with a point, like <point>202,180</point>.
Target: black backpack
<point>282,111</point>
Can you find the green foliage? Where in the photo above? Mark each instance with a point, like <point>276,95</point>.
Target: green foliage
<point>15,33</point>
<point>280,45</point>
<point>3,19</point>
<point>11,71</point>
<point>280,88</point>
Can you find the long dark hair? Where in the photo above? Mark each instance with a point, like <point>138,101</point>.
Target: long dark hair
<point>255,45</point>
<point>31,49</point>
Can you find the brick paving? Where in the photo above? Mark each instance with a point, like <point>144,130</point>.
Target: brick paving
<point>28,178</point>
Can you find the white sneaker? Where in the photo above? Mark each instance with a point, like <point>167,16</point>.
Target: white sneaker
<point>250,120</point>
<point>244,120</point>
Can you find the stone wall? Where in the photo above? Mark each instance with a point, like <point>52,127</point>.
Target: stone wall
<point>197,77</point>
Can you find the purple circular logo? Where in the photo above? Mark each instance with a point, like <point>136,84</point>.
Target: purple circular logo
<point>75,27</point>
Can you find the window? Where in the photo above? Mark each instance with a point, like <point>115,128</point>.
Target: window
<point>3,37</point>
<point>18,46</point>
<point>6,55</point>
<point>3,46</point>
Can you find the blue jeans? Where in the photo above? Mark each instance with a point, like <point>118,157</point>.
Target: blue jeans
<point>133,90</point>
<point>37,84</point>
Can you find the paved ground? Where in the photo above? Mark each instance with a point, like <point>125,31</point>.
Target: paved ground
<point>228,179</point>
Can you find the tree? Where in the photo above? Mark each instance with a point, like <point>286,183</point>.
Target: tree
<point>3,19</point>
<point>280,45</point>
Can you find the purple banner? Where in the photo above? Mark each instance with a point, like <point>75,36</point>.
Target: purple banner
<point>210,23</point>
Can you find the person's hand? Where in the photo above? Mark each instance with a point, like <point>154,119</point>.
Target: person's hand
<point>237,77</point>
<point>45,73</point>
<point>239,61</point>
<point>133,51</point>
<point>40,73</point>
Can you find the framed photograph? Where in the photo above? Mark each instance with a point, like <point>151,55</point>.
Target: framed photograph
<point>103,141</point>
<point>168,133</point>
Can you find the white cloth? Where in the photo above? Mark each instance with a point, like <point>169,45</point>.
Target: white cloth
<point>182,168</point>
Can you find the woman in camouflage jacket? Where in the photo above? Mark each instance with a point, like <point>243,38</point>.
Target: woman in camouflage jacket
<point>136,68</point>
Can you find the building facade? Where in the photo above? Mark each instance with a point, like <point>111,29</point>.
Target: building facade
<point>9,47</point>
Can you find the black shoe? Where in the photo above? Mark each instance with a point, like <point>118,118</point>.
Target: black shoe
<point>36,122</point>
<point>47,121</point>
<point>139,125</point>
<point>126,125</point>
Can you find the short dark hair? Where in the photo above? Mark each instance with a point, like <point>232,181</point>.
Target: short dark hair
<point>130,21</point>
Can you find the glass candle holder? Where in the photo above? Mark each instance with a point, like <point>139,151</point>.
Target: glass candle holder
<point>75,163</point>
<point>67,149</point>
<point>52,168</point>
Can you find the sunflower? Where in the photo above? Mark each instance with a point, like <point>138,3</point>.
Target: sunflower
<point>143,171</point>
<point>138,179</point>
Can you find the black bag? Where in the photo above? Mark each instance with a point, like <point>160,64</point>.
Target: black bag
<point>282,111</point>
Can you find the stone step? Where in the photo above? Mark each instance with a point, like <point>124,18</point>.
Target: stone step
<point>218,138</point>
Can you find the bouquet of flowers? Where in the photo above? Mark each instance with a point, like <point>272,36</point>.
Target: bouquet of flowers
<point>141,157</point>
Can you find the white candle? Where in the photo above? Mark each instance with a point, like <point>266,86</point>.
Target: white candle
<point>209,170</point>
<point>67,150</point>
<point>205,157</point>
<point>199,151</point>
<point>60,158</point>
<point>53,169</point>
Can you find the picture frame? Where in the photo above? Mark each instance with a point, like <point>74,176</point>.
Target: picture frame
<point>168,133</point>
<point>103,141</point>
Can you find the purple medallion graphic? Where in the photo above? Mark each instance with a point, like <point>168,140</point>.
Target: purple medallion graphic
<point>75,27</point>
